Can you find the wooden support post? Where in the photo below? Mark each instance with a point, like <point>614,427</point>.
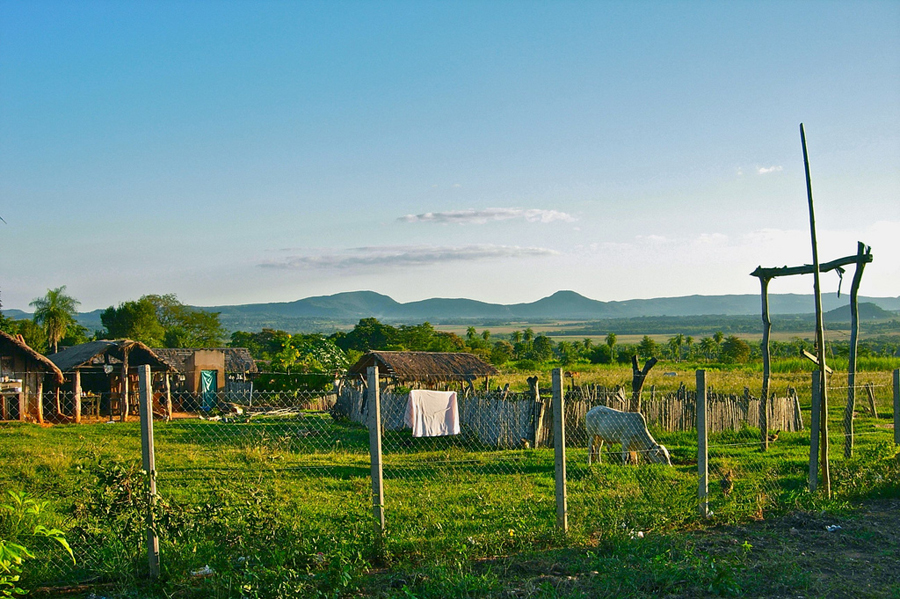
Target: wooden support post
<point>814,434</point>
<point>861,251</point>
<point>76,389</point>
<point>559,447</point>
<point>870,392</point>
<point>168,396</point>
<point>767,366</point>
<point>148,463</point>
<point>702,446</point>
<point>40,399</point>
<point>897,407</point>
<point>374,421</point>
<point>125,389</point>
<point>23,401</point>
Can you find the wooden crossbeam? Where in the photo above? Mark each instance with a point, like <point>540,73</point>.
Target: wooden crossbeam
<point>814,360</point>
<point>808,269</point>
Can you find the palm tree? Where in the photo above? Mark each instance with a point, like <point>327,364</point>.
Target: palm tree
<point>56,312</point>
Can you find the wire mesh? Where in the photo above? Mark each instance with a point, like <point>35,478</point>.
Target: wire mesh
<point>282,478</point>
<point>488,488</point>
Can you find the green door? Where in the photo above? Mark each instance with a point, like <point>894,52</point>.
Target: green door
<point>208,389</point>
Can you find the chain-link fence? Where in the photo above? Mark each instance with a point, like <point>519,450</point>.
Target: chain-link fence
<point>270,486</point>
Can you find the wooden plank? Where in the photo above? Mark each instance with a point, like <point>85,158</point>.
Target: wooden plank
<point>559,446</point>
<point>377,471</point>
<point>148,463</point>
<point>702,446</point>
<point>870,391</point>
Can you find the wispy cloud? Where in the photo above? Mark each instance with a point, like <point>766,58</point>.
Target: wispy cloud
<point>402,256</point>
<point>480,217</point>
<point>765,170</point>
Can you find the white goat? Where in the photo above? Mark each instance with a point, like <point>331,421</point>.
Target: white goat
<point>627,428</point>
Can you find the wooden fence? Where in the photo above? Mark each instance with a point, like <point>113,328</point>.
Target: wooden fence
<point>515,420</point>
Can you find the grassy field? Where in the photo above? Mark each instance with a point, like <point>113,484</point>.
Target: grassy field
<point>282,506</point>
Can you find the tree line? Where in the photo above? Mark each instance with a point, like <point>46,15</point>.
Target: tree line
<point>163,321</point>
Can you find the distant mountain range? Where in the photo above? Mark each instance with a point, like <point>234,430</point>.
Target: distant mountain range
<point>327,312</point>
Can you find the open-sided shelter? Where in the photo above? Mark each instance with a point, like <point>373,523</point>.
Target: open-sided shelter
<point>107,370</point>
<point>22,375</point>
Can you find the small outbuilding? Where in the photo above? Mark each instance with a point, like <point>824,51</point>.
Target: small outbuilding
<point>23,372</point>
<point>208,372</point>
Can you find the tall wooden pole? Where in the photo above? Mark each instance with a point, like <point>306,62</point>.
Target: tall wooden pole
<point>559,451</point>
<point>148,463</point>
<point>377,472</point>
<point>767,366</point>
<point>702,446</point>
<point>820,326</point>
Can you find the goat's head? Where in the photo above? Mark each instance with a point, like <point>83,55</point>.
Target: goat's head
<point>659,455</point>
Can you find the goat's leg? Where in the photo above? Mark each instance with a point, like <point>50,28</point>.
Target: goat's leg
<point>590,449</point>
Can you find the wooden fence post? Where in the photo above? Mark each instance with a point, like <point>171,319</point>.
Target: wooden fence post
<point>148,463</point>
<point>897,406</point>
<point>374,407</point>
<point>76,391</point>
<point>559,446</point>
<point>702,446</point>
<point>814,434</point>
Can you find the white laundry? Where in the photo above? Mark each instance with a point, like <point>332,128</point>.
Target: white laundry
<point>432,413</point>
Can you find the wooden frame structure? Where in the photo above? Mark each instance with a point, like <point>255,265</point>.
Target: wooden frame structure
<point>862,257</point>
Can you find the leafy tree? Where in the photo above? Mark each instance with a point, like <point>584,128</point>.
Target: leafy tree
<point>648,348</point>
<point>542,349</point>
<point>186,326</point>
<point>735,349</point>
<point>56,313</point>
<point>262,345</point>
<point>486,335</point>
<point>601,355</point>
<point>163,321</point>
<point>369,334</point>
<point>501,352</point>
<point>709,348</point>
<point>135,320</point>
<point>611,342</point>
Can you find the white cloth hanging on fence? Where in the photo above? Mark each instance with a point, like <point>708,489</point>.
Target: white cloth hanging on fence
<point>432,413</point>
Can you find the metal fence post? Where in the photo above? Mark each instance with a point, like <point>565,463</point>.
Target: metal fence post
<point>374,420</point>
<point>148,463</point>
<point>702,446</point>
<point>559,450</point>
<point>897,406</point>
<point>814,434</point>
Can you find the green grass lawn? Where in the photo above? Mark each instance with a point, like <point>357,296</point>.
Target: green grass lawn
<point>284,505</point>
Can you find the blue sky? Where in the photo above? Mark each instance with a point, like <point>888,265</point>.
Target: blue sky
<point>236,152</point>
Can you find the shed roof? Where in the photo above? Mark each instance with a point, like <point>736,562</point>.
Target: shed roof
<point>101,352</point>
<point>16,346</point>
<point>237,359</point>
<point>424,366</point>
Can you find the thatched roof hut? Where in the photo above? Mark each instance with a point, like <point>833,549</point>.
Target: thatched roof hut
<point>100,353</point>
<point>424,366</point>
<point>237,359</point>
<point>26,359</point>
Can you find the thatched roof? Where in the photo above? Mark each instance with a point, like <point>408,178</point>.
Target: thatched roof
<point>16,346</point>
<point>237,359</point>
<point>424,366</point>
<point>103,352</point>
